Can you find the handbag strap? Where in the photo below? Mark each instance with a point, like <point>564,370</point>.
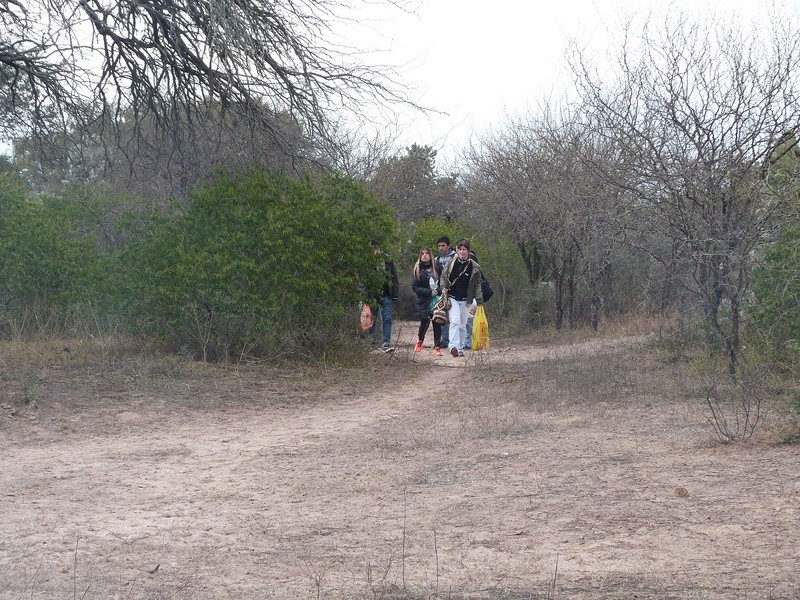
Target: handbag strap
<point>459,275</point>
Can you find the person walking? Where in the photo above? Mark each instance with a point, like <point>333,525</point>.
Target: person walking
<point>425,283</point>
<point>461,281</point>
<point>444,256</point>
<point>385,300</point>
<point>471,317</point>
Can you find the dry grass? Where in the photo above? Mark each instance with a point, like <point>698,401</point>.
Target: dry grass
<point>532,471</point>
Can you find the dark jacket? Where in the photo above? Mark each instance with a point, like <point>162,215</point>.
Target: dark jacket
<point>474,291</point>
<point>422,288</point>
<point>392,286</point>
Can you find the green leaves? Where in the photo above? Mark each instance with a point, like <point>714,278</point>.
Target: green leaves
<point>776,288</point>
<point>255,262</point>
<point>254,265</point>
<point>44,255</point>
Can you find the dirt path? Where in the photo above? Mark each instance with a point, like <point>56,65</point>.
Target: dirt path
<point>410,490</point>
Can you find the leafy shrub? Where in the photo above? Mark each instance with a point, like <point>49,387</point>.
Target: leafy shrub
<point>256,264</point>
<point>47,261</point>
<point>776,293</point>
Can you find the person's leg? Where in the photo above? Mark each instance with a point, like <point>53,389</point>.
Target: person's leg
<point>377,317</point>
<point>454,318</point>
<point>437,335</point>
<point>462,326</point>
<point>423,329</point>
<point>445,341</point>
<point>458,321</point>
<point>387,321</point>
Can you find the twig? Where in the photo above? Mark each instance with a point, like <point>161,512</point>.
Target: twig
<point>403,564</point>
<point>551,590</point>
<point>436,553</point>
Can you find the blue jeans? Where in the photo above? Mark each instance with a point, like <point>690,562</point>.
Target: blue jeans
<point>445,335</point>
<point>468,335</point>
<point>384,315</point>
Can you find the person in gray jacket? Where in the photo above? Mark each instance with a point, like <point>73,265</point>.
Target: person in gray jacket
<point>443,258</point>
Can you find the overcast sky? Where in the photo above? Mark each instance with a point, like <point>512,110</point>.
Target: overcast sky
<point>479,61</point>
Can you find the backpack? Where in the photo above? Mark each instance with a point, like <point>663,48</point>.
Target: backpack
<point>486,289</point>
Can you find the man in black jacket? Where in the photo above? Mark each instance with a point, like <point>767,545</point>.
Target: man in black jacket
<point>462,282</point>
<point>385,301</point>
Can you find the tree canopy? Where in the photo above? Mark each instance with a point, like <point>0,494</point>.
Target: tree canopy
<point>69,63</point>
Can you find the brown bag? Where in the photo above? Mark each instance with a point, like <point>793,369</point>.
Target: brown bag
<point>440,310</point>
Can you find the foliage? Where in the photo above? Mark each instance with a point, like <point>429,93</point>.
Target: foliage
<point>775,305</point>
<point>256,264</point>
<point>692,116</point>
<point>411,185</point>
<point>47,260</point>
<point>139,157</point>
<point>776,296</point>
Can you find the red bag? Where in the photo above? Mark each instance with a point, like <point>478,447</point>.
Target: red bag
<point>366,317</point>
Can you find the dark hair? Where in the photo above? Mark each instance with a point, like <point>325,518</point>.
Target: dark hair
<point>443,239</point>
<point>463,242</point>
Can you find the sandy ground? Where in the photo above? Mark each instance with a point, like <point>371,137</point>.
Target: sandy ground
<point>230,485</point>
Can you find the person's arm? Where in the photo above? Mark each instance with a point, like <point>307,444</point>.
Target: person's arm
<point>395,290</point>
<point>475,284</point>
<point>420,288</point>
<point>444,282</point>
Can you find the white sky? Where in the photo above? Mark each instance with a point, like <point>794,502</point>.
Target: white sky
<point>480,61</point>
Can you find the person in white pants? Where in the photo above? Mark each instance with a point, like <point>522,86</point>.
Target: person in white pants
<point>461,280</point>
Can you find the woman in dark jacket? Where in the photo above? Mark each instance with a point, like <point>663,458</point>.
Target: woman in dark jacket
<point>424,282</point>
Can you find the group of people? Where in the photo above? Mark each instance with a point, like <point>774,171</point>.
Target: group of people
<point>454,272</point>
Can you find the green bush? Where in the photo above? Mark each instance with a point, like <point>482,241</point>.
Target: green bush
<point>776,296</point>
<point>255,265</point>
<point>47,262</point>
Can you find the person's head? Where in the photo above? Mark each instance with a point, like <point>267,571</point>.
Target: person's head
<point>424,259</point>
<point>462,249</point>
<point>443,244</point>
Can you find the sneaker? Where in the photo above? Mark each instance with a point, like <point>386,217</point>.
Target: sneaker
<point>437,351</point>
<point>460,354</point>
<point>418,347</point>
<point>386,345</point>
<point>388,350</point>
<point>454,352</point>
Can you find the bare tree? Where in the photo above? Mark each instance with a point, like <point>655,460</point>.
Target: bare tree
<point>535,185</point>
<point>72,64</point>
<point>694,112</point>
<point>146,160</point>
<point>411,184</point>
